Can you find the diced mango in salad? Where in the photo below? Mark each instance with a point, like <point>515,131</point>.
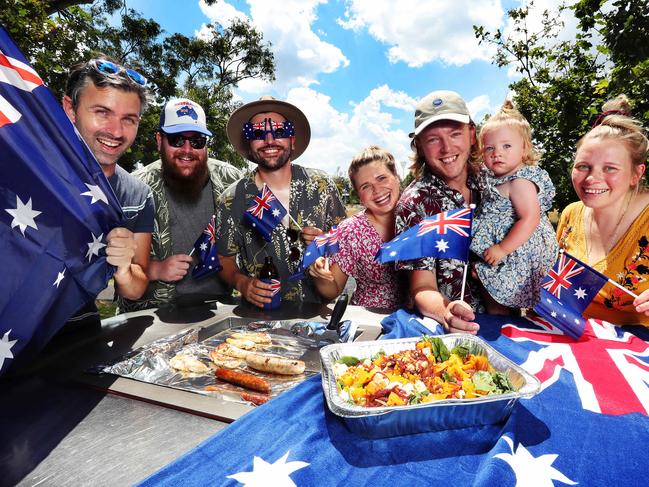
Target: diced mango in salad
<point>429,372</point>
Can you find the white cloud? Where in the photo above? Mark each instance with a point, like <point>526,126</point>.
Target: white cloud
<point>479,106</point>
<point>300,53</point>
<point>420,32</point>
<point>337,136</point>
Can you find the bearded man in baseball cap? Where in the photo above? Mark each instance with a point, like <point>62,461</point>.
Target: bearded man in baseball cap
<point>272,134</point>
<point>443,144</point>
<point>186,185</point>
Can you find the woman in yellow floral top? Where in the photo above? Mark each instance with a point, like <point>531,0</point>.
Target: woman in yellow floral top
<point>609,228</point>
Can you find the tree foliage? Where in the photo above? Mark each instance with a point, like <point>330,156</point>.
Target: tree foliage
<point>564,83</point>
<point>54,35</point>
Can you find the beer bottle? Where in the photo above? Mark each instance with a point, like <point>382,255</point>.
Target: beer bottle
<point>269,274</point>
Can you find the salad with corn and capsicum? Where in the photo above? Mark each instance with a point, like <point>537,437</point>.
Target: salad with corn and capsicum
<point>429,372</point>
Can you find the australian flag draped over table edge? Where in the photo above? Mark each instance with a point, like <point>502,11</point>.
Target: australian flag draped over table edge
<point>265,213</point>
<point>567,290</point>
<point>446,235</point>
<point>323,245</point>
<point>56,209</point>
<point>205,247</point>
<point>587,426</point>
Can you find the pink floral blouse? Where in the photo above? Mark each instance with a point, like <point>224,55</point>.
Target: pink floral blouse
<point>377,285</point>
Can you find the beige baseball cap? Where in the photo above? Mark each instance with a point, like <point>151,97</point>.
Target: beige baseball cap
<point>440,105</point>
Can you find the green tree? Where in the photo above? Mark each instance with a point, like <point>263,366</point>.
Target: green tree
<point>563,84</point>
<point>54,35</point>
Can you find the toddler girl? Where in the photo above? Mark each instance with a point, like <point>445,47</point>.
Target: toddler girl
<point>511,231</point>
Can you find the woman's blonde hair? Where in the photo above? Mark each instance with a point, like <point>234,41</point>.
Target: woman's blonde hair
<point>509,116</point>
<point>369,154</point>
<point>617,122</point>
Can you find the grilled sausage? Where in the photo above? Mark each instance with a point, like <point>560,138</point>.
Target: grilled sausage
<point>255,398</point>
<point>257,337</point>
<point>275,365</point>
<point>243,379</point>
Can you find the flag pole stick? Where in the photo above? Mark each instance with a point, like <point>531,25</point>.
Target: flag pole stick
<point>293,220</point>
<point>630,293</point>
<point>191,252</point>
<point>466,265</point>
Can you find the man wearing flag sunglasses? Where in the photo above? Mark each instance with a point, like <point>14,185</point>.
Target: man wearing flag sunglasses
<point>105,101</point>
<point>272,134</point>
<point>186,185</point>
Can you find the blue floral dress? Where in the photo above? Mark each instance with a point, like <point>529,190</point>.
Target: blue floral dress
<point>516,281</point>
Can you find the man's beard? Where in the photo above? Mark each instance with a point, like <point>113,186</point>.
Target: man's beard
<point>189,186</point>
<point>278,163</point>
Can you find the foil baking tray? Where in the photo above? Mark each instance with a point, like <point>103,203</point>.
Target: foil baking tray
<point>387,421</point>
<point>150,363</point>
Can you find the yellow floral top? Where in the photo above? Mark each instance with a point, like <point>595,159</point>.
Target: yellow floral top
<point>627,263</point>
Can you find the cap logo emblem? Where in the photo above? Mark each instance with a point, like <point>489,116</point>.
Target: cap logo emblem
<point>437,102</point>
<point>187,111</point>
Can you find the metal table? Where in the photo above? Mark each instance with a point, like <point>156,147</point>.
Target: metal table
<point>61,426</point>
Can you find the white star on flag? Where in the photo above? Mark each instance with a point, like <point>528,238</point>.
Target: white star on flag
<point>529,470</point>
<point>59,278</point>
<point>275,212</point>
<point>95,246</point>
<point>23,215</point>
<point>441,245</point>
<point>393,253</point>
<point>580,293</point>
<point>203,247</point>
<point>5,348</point>
<point>95,193</point>
<point>264,473</point>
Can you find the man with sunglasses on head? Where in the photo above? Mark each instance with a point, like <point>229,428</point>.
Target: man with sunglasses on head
<point>105,101</point>
<point>186,185</point>
<point>272,134</point>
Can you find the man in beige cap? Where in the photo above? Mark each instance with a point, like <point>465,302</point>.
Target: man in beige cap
<point>186,185</point>
<point>443,144</point>
<point>272,134</point>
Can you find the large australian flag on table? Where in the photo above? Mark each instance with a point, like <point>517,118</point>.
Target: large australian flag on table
<point>567,290</point>
<point>586,426</point>
<point>265,213</point>
<point>446,235</point>
<point>56,208</point>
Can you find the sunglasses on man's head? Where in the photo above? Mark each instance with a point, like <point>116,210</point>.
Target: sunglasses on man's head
<point>258,130</point>
<point>110,68</point>
<point>178,140</point>
<point>294,252</point>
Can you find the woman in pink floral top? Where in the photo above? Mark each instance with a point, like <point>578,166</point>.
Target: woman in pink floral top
<point>374,176</point>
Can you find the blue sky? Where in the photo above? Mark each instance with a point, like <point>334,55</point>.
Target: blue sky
<point>357,67</point>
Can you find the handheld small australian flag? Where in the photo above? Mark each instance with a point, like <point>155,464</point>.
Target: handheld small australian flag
<point>322,246</point>
<point>205,247</point>
<point>265,213</point>
<point>446,235</point>
<point>567,290</point>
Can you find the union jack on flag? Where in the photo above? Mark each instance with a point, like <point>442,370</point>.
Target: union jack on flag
<point>329,240</point>
<point>322,246</point>
<point>265,213</point>
<point>458,221</point>
<point>558,279</point>
<point>580,284</point>
<point>446,235</point>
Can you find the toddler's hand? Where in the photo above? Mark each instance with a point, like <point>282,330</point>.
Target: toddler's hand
<point>494,254</point>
